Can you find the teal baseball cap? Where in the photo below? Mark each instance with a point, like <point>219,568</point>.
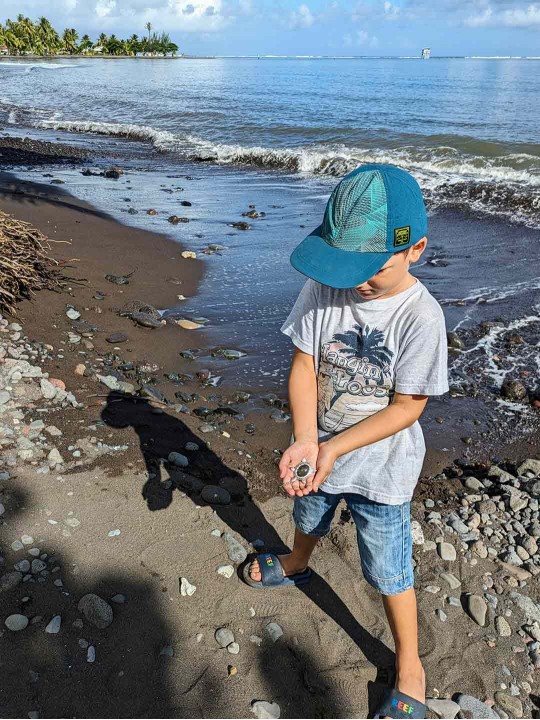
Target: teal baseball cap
<point>372,213</point>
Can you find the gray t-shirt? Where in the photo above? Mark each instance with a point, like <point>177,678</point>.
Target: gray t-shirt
<point>364,351</point>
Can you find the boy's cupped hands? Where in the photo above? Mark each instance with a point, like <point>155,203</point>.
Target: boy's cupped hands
<point>320,455</point>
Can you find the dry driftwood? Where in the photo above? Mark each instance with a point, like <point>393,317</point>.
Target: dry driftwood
<point>25,266</point>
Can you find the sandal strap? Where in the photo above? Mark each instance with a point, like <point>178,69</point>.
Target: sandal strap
<point>271,570</point>
<point>397,704</point>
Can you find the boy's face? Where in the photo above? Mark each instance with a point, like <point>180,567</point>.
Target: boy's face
<point>392,274</point>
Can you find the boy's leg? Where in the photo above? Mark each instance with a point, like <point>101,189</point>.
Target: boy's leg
<point>385,544</point>
<point>402,617</point>
<point>312,516</point>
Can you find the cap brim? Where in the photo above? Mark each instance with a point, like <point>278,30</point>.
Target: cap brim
<point>335,267</point>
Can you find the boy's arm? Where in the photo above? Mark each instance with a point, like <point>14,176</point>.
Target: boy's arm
<point>303,396</point>
<point>402,412</point>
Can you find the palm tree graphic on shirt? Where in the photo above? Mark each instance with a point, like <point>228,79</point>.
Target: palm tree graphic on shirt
<point>366,344</point>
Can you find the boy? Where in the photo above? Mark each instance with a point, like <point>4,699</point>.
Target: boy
<point>370,348</point>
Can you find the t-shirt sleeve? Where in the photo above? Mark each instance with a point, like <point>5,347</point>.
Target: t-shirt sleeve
<point>422,365</point>
<point>299,325</point>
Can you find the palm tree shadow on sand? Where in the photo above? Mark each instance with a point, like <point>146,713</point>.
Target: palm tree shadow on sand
<point>159,435</point>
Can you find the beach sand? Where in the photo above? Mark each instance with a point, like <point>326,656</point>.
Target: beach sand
<point>159,657</point>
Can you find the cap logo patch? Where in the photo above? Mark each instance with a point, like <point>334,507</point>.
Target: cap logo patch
<point>402,236</point>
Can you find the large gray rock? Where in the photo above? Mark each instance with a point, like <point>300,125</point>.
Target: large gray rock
<point>236,552</point>
<point>476,707</point>
<point>443,708</point>
<point>509,704</point>
<point>500,475</point>
<point>447,551</point>
<point>97,611</point>
<point>529,607</point>
<point>477,609</point>
<point>16,622</point>
<point>529,465</point>
<point>224,637</point>
<point>452,580</point>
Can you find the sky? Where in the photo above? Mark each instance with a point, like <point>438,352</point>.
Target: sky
<point>315,27</point>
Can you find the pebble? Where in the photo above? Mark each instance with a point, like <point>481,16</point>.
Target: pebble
<point>443,708</point>
<point>237,553</point>
<point>22,566</point>
<point>417,533</point>
<point>256,640</point>
<point>97,611</point>
<point>117,337</point>
<point>16,622</point>
<point>263,709</point>
<point>224,637</point>
<point>178,459</point>
<point>475,707</point>
<point>274,631</point>
<point>233,648</point>
<point>5,397</point>
<point>509,704</point>
<point>477,609</point>
<point>226,570</point>
<point>73,314</point>
<point>452,581</point>
<point>446,551</point>
<point>119,599</point>
<point>91,654</point>
<point>502,626</point>
<point>215,495</point>
<point>10,580</point>
<point>38,566</point>
<point>186,588</point>
<point>54,625</point>
<point>441,615</point>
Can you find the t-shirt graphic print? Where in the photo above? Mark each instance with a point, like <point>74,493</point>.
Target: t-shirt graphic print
<point>354,378</point>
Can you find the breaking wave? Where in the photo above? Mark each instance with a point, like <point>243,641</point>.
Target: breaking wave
<point>506,185</point>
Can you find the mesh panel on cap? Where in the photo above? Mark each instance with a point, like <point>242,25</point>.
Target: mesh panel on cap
<point>359,212</point>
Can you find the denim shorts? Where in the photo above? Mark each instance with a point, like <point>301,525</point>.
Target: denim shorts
<point>383,533</point>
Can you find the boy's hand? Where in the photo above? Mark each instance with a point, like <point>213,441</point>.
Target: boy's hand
<point>325,462</point>
<point>308,449</point>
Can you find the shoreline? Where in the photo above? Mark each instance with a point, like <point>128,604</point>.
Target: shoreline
<point>40,208</point>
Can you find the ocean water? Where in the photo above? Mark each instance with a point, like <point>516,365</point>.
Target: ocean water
<point>466,128</point>
<point>277,134</point>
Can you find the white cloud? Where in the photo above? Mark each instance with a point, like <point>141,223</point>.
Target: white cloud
<point>391,11</point>
<point>525,17</point>
<point>301,18</point>
<point>105,7</point>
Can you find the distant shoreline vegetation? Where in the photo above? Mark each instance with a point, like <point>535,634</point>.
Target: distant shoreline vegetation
<point>24,36</point>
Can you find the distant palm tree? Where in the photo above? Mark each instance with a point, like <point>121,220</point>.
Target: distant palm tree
<point>133,45</point>
<point>69,40</point>
<point>85,44</point>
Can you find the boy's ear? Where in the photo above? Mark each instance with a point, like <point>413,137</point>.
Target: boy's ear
<point>416,250</point>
